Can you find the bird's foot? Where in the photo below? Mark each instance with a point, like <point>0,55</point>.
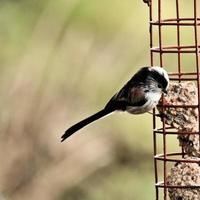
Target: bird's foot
<point>161,115</point>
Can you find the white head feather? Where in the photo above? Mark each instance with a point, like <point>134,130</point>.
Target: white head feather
<point>161,71</point>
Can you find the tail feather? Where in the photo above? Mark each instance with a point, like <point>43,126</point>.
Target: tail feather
<point>85,122</point>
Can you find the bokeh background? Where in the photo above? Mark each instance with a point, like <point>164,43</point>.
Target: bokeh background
<point>61,61</point>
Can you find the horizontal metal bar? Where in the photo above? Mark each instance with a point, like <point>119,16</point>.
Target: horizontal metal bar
<point>168,158</point>
<point>177,106</point>
<point>175,22</point>
<point>175,132</point>
<point>183,79</point>
<point>175,49</point>
<point>161,185</point>
<point>182,73</point>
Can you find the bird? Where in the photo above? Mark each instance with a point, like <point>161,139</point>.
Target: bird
<point>139,95</point>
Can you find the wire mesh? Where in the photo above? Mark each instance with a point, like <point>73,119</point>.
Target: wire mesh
<point>160,50</point>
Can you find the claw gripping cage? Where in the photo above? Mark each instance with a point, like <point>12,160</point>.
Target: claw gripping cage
<point>175,45</point>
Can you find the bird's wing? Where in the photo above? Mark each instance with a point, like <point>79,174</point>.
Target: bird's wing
<point>129,95</point>
<point>133,92</point>
<point>137,96</point>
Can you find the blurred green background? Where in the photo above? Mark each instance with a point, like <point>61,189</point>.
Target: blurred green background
<point>61,61</point>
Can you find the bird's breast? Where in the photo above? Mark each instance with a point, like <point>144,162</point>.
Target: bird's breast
<point>152,101</point>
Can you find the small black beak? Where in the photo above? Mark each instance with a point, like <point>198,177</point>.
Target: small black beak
<point>165,91</point>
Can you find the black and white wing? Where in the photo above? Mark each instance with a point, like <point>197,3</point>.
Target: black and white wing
<point>132,94</point>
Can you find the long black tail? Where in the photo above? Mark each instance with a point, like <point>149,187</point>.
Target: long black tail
<point>85,122</point>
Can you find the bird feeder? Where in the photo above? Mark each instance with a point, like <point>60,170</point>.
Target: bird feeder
<point>175,43</point>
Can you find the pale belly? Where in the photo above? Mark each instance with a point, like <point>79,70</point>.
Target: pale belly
<point>148,106</point>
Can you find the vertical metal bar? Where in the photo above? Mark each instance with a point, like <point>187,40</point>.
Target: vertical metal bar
<point>154,118</point>
<point>151,31</point>
<point>178,46</point>
<point>197,55</point>
<point>160,32</point>
<point>178,39</point>
<point>163,123</point>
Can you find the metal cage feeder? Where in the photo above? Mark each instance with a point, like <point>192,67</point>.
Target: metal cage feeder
<point>160,49</point>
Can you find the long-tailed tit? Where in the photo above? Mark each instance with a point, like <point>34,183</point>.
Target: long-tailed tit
<point>139,95</point>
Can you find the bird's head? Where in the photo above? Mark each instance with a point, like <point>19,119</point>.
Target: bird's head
<point>160,77</point>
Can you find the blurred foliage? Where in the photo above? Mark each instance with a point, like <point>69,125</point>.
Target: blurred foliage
<point>61,61</point>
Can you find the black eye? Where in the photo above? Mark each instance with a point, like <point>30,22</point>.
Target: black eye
<point>159,86</point>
